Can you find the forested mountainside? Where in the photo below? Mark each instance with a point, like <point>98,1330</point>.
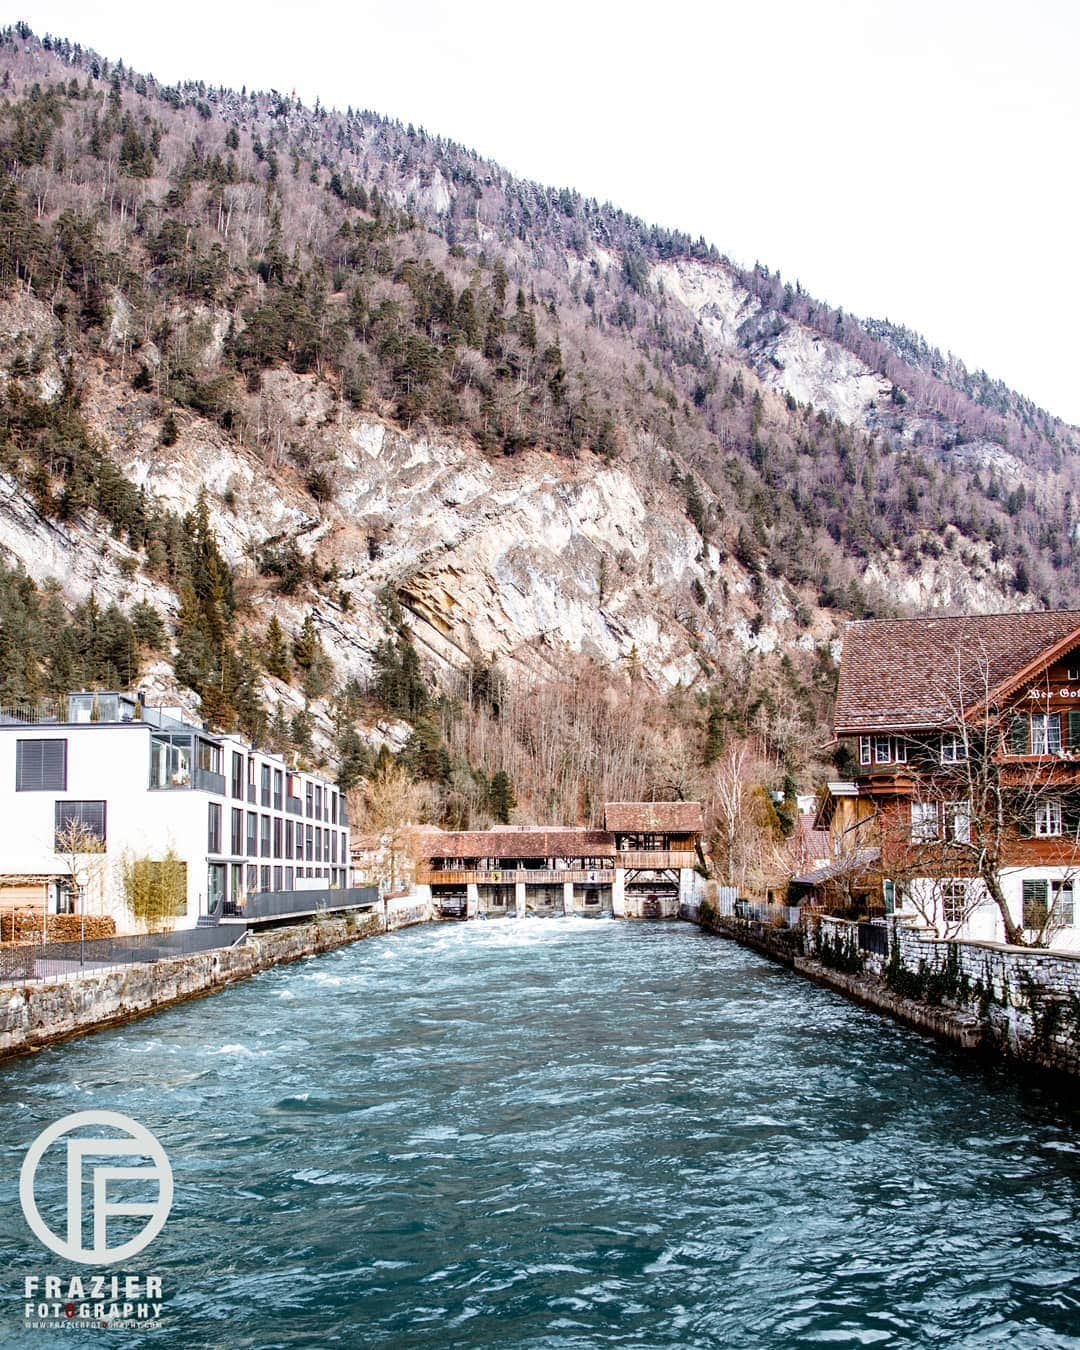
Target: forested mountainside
<point>349,438</point>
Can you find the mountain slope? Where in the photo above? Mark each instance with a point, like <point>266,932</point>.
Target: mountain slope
<point>405,402</point>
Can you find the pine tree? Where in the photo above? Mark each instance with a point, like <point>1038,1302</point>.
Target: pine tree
<point>715,725</point>
<point>276,658</point>
<point>501,797</point>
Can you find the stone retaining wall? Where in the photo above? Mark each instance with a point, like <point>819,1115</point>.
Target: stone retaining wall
<point>1020,1003</point>
<point>32,1015</point>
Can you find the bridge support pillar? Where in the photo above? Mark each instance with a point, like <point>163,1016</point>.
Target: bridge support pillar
<point>472,900</point>
<point>618,894</point>
<point>519,898</point>
<point>568,897</point>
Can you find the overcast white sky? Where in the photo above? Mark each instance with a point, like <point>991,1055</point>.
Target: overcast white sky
<point>915,159</point>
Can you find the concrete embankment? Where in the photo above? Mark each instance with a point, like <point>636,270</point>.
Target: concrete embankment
<point>1015,1004</point>
<point>35,1014</point>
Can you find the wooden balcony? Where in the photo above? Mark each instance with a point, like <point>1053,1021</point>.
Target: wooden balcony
<point>509,876</point>
<point>655,861</point>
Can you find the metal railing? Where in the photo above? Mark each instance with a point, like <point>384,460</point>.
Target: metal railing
<point>52,960</point>
<point>209,781</point>
<point>286,904</point>
<point>30,714</point>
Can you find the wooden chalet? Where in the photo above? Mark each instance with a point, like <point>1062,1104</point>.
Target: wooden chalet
<point>963,736</point>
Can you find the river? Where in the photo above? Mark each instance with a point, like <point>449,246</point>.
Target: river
<point>567,1133</point>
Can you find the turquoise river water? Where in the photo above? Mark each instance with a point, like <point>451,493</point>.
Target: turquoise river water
<point>566,1133</point>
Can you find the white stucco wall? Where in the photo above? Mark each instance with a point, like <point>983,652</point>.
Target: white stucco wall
<point>984,922</point>
<point>110,763</point>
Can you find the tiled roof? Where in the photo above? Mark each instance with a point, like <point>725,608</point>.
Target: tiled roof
<point>666,817</point>
<point>808,846</point>
<point>568,843</point>
<point>912,673</point>
<point>853,864</point>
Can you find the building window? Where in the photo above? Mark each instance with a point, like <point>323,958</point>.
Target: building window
<point>265,837</point>
<point>238,775</point>
<point>888,895</point>
<point>309,850</point>
<point>958,818</point>
<point>1048,818</point>
<point>279,779</point>
<point>333,808</point>
<point>1049,904</point>
<point>900,750</point>
<point>73,816</point>
<point>41,766</point>
<point>924,822</point>
<point>953,750</point>
<point>866,749</point>
<point>289,875</point>
<point>213,828</point>
<point>288,839</point>
<point>250,779</point>
<point>252,849</point>
<point>954,902</point>
<point>215,886</point>
<point>1046,733</point>
<point>277,837</point>
<point>208,756</point>
<point>264,879</point>
<point>277,879</point>
<point>318,802</point>
<point>882,750</point>
<point>237,839</point>
<point>252,879</point>
<point>309,800</point>
<point>264,785</point>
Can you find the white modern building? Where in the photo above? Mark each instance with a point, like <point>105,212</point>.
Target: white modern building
<point>147,782</point>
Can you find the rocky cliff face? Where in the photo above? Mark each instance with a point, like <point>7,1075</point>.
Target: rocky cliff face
<point>519,559</point>
<point>788,356</point>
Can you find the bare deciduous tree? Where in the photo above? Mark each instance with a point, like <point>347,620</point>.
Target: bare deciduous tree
<point>386,809</point>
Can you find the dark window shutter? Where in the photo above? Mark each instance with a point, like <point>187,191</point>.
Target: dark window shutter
<point>1073,742</point>
<point>1035,902</point>
<point>1019,734</point>
<point>41,766</point>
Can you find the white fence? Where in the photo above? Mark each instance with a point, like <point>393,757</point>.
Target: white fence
<point>725,900</point>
